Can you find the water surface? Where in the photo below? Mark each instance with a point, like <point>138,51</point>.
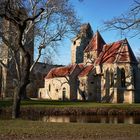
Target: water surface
<point>80,119</point>
<point>87,119</point>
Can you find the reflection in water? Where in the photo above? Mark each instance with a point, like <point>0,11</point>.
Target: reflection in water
<point>80,119</point>
<point>93,119</point>
<point>56,119</point>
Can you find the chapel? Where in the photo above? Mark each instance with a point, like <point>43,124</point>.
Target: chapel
<point>99,72</point>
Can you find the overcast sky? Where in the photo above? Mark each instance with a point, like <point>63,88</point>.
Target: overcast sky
<point>95,12</point>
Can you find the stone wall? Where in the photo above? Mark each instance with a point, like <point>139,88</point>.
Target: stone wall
<point>137,83</point>
<point>56,89</point>
<point>112,88</point>
<point>107,85</point>
<point>61,88</point>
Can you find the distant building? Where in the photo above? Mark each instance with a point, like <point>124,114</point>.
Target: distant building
<point>99,72</point>
<point>37,78</point>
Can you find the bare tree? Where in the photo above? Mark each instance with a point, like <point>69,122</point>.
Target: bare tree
<point>128,22</point>
<point>48,22</point>
<point>138,58</point>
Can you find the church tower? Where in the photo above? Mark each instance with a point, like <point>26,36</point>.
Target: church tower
<point>80,42</point>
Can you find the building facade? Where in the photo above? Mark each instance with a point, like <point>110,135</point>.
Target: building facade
<point>99,72</point>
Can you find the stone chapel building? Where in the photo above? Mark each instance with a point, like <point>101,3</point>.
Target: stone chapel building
<point>99,72</point>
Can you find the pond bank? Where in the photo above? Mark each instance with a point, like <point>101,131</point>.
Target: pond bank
<point>43,107</point>
<point>80,111</point>
<point>74,111</point>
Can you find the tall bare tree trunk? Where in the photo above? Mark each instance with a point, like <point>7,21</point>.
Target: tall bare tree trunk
<point>16,103</point>
<point>20,87</point>
<point>4,80</point>
<point>1,82</point>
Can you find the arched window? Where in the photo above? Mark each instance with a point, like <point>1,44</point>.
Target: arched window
<point>49,87</point>
<point>64,93</point>
<point>111,78</point>
<point>122,77</point>
<point>107,78</point>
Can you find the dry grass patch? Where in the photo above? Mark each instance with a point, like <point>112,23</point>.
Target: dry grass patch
<point>19,129</point>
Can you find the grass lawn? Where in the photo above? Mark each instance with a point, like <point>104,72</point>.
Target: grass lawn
<point>46,103</point>
<point>19,129</point>
<point>38,130</point>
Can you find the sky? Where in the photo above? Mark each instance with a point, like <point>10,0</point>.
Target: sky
<point>96,12</point>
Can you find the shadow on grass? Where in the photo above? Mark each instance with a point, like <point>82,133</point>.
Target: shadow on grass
<point>5,103</point>
<point>53,102</point>
<point>57,103</point>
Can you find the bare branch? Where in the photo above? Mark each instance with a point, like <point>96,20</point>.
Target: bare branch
<point>126,23</point>
<point>3,65</point>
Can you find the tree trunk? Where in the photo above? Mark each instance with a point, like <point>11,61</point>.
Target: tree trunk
<point>25,75</point>
<point>4,82</point>
<point>16,103</point>
<point>20,87</point>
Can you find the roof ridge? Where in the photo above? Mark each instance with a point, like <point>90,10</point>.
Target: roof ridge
<point>131,53</point>
<point>115,42</point>
<point>73,68</point>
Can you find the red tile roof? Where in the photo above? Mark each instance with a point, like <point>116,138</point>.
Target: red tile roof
<point>61,71</point>
<point>86,71</point>
<point>96,43</point>
<point>119,51</point>
<point>81,65</point>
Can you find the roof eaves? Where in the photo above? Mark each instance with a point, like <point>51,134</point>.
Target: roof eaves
<point>73,68</point>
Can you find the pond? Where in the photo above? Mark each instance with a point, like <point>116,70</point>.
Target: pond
<point>88,119</point>
<point>81,119</point>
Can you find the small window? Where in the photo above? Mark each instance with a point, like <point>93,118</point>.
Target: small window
<point>74,43</point>
<point>64,94</point>
<point>44,66</point>
<point>49,87</point>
